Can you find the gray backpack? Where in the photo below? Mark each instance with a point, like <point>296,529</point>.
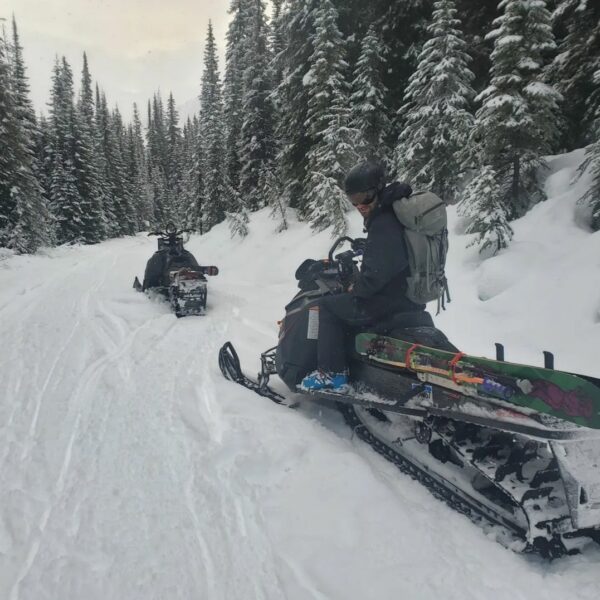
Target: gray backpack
<point>424,218</point>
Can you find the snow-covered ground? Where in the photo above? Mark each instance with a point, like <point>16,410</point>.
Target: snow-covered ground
<point>129,469</point>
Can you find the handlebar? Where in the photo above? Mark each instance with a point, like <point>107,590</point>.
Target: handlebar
<point>357,245</point>
<point>167,234</point>
<point>337,243</point>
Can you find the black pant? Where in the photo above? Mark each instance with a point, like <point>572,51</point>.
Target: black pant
<point>337,314</point>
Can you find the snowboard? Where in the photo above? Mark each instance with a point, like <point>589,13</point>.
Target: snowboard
<point>563,395</point>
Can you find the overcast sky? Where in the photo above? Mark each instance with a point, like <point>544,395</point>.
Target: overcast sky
<point>133,46</point>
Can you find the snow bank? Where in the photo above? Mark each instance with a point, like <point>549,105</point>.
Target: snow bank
<point>543,292</point>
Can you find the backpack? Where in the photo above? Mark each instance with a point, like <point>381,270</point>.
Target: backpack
<point>424,217</point>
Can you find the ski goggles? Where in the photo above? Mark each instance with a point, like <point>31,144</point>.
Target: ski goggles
<point>363,198</point>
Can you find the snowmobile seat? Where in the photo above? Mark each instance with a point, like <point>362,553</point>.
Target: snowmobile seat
<point>402,320</point>
<point>414,327</point>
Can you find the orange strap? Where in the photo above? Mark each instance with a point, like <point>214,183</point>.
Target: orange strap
<point>408,353</point>
<point>452,365</point>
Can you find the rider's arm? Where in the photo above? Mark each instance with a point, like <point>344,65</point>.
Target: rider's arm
<point>384,257</point>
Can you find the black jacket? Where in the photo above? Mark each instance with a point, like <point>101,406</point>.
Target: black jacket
<point>381,285</point>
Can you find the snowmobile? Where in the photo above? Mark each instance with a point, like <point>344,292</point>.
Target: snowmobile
<point>516,448</point>
<point>174,273</point>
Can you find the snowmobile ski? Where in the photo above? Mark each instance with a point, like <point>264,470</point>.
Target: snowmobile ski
<point>230,366</point>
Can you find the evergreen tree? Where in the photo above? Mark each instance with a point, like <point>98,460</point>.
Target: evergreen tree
<point>43,170</point>
<point>483,205</point>
<point>110,131</point>
<point>66,201</point>
<point>367,103</point>
<point>592,162</point>
<point>24,221</point>
<point>237,215</point>
<point>137,173</point>
<point>403,28</point>
<point>211,137</point>
<point>516,124</point>
<point>436,110</point>
<point>86,162</point>
<point>192,185</point>
<point>577,22</point>
<point>327,122</point>
<point>233,86</point>
<point>173,156</point>
<point>297,26</point>
<point>101,124</point>
<point>124,209</point>
<point>256,147</point>
<point>277,41</point>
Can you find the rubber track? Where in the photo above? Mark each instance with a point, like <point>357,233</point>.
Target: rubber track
<point>439,491</point>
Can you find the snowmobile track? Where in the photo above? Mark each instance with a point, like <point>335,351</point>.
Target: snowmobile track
<point>476,513</point>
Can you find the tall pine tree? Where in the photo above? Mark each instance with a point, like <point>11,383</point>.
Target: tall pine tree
<point>516,124</point>
<point>436,111</point>
<point>577,23</point>
<point>256,148</point>
<point>369,113</point>
<point>332,152</point>
<point>24,220</point>
<point>211,137</point>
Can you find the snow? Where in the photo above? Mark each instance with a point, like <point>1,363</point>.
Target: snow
<point>130,469</point>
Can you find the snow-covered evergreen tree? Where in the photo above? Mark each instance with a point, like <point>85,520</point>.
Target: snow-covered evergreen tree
<point>212,138</point>
<point>368,110</point>
<point>572,71</point>
<point>436,111</point>
<point>277,41</point>
<point>66,201</point>
<point>124,208</point>
<point>516,124</point>
<point>327,122</point>
<point>237,214</point>
<point>256,147</point>
<point>112,143</point>
<point>233,86</point>
<point>137,173</point>
<point>86,162</point>
<point>483,205</point>
<point>101,124</point>
<point>297,26</point>
<point>173,156</point>
<point>192,185</point>
<point>592,162</point>
<point>24,220</point>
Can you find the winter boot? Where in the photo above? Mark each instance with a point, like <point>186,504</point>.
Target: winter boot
<point>321,380</point>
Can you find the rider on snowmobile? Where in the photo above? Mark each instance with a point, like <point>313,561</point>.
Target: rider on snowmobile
<point>379,290</point>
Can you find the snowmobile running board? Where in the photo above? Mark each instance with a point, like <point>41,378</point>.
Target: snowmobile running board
<point>397,406</point>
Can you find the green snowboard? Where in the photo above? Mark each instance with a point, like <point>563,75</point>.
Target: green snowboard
<point>563,395</point>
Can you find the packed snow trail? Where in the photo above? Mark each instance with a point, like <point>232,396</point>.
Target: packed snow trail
<point>130,469</point>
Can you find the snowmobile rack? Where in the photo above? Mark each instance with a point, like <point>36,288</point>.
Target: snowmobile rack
<point>548,356</point>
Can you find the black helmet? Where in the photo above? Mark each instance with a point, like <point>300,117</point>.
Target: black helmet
<point>364,176</point>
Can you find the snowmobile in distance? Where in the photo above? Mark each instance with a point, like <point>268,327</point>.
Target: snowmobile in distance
<point>174,273</point>
<point>514,447</point>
